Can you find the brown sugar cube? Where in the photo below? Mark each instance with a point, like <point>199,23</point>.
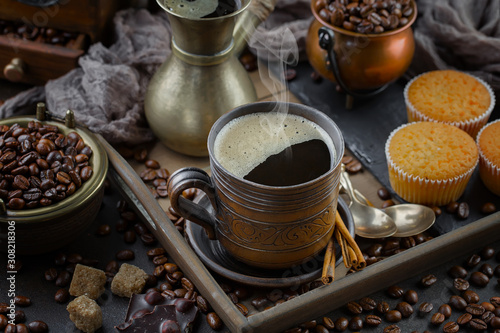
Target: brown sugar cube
<point>129,280</point>
<point>87,281</point>
<point>85,314</point>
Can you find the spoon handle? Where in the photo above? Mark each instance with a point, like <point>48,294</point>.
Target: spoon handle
<point>347,185</point>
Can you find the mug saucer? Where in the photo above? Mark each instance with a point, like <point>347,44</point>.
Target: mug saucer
<point>217,258</point>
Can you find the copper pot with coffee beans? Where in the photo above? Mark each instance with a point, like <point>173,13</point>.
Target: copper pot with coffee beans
<point>52,177</point>
<point>361,45</point>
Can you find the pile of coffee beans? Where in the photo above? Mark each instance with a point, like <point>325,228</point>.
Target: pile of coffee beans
<point>365,16</point>
<point>20,30</point>
<point>40,166</point>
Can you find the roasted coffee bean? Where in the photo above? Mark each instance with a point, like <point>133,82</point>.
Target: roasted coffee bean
<point>63,279</point>
<point>140,155</point>
<point>367,304</point>
<point>452,207</point>
<point>19,316</point>
<point>411,296</point>
<point>22,301</point>
<point>475,309</point>
<point>393,316</point>
<point>488,208</point>
<point>470,296</point>
<point>156,252</point>
<point>392,329</point>
<point>260,303</point>
<point>22,328</point>
<point>464,319</point>
<point>437,319</point>
<point>457,302</point>
<point>148,239</point>
<point>451,327</point>
<point>487,252</point>
<point>387,203</point>
<point>125,255</point>
<point>405,309</point>
<point>10,328</point>
<point>479,279</point>
<point>129,237</point>
<point>395,291</point>
<point>495,300</point>
<point>425,308</point>
<point>383,307</point>
<point>354,308</point>
<point>328,323</point>
<point>355,166</point>
<point>86,173</point>
<point>375,250</point>
<point>428,280</point>
<point>488,306</point>
<point>103,230</point>
<point>495,322</point>
<point>112,266</point>
<point>38,326</point>
<point>487,316</point>
<point>478,324</point>
<point>408,242</point>
<point>51,274</point>
<point>457,272</point>
<point>487,270</point>
<point>460,284</point>
<point>341,324</point>
<point>214,321</point>
<point>152,164</point>
<point>356,323</point>
<point>445,309</point>
<point>372,320</point>
<point>61,296</point>
<point>202,304</point>
<point>473,260</point>
<point>463,210</point>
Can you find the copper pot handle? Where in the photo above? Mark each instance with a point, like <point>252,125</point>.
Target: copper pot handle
<point>326,42</point>
<point>187,178</point>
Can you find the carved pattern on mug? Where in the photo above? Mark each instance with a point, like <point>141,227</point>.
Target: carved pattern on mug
<point>303,232</point>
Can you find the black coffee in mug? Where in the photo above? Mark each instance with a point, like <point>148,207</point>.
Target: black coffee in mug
<point>274,149</point>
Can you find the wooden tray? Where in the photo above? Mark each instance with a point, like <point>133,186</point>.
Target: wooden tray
<point>313,303</point>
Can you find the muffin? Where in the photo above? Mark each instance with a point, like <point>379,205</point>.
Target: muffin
<point>451,97</point>
<point>488,142</point>
<point>430,163</point>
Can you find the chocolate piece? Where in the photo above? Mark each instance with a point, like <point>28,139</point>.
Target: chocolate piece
<point>142,316</point>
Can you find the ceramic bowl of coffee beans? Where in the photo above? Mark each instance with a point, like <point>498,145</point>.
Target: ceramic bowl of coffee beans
<point>51,184</point>
<point>370,41</point>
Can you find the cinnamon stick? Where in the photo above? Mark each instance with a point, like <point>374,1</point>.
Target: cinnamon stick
<point>342,229</point>
<point>343,248</point>
<point>328,273</point>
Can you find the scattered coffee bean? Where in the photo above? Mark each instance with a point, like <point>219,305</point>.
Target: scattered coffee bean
<point>103,230</point>
<point>457,302</point>
<point>38,326</point>
<point>478,324</point>
<point>463,210</point>
<point>63,279</point>
<point>405,309</point>
<point>356,323</point>
<point>395,291</point>
<point>473,260</point>
<point>328,323</point>
<point>451,327</point>
<point>470,296</point>
<point>487,270</point>
<point>22,301</point>
<point>383,193</point>
<point>457,272</point>
<point>479,279</point>
<point>464,319</point>
<point>61,296</point>
<point>341,324</point>
<point>372,320</point>
<point>428,280</point>
<point>354,308</point>
<point>488,208</point>
<point>460,284</point>
<point>452,207</point>
<point>437,319</point>
<point>392,329</point>
<point>214,321</point>
<point>125,255</point>
<point>411,296</point>
<point>367,304</point>
<point>383,307</point>
<point>425,308</point>
<point>393,316</point>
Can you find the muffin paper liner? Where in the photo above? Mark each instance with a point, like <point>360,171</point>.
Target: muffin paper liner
<point>471,126</point>
<point>425,191</point>
<point>488,171</point>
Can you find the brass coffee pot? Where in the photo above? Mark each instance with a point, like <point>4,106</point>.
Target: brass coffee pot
<point>200,81</point>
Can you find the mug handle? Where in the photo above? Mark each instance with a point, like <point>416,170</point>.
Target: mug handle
<point>326,42</point>
<point>184,179</point>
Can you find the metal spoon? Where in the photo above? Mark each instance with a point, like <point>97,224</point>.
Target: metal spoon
<point>369,222</point>
<point>410,219</point>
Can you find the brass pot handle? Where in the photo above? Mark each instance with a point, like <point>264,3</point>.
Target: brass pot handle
<point>326,42</point>
<point>187,178</point>
<point>15,70</point>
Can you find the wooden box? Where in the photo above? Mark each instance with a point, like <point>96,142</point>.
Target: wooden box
<point>34,61</point>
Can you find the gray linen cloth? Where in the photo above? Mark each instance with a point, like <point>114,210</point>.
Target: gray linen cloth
<point>107,90</point>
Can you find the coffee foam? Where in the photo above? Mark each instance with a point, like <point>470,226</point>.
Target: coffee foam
<point>192,9</point>
<point>247,141</point>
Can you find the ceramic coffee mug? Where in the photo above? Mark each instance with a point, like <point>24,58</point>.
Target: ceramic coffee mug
<point>267,226</point>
